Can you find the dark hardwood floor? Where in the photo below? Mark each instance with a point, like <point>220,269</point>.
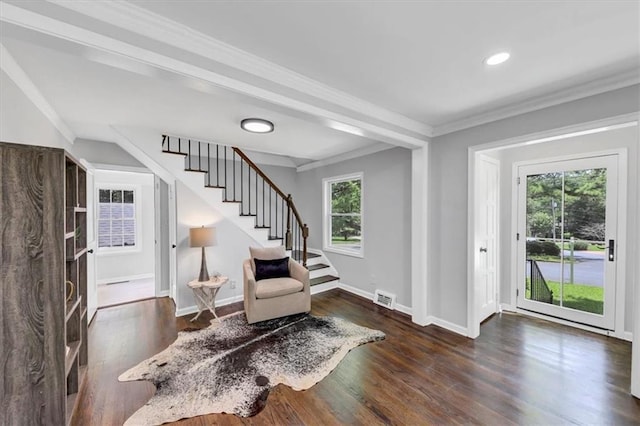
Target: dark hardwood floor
<point>519,371</point>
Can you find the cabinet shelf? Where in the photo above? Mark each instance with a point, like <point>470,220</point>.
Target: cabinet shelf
<point>71,356</point>
<point>71,307</point>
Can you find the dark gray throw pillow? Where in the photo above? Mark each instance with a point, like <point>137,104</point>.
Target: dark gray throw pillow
<point>276,268</point>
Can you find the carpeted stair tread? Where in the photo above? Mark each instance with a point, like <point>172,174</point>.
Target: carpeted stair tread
<point>323,279</point>
<point>317,266</point>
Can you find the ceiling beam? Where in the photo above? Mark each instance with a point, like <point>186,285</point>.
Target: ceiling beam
<point>330,118</point>
<point>144,22</point>
<point>9,65</point>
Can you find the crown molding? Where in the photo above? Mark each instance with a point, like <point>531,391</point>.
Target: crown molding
<point>595,87</point>
<point>141,21</point>
<point>46,25</point>
<point>9,65</point>
<point>368,150</point>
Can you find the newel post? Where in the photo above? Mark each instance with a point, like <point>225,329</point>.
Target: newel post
<point>305,234</point>
<point>288,239</point>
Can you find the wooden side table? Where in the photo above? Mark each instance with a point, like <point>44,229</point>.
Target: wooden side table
<point>205,294</point>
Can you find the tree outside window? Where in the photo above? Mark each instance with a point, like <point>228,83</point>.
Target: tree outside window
<point>343,214</point>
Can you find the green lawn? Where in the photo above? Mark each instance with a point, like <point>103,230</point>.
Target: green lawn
<point>341,240</point>
<point>576,296</point>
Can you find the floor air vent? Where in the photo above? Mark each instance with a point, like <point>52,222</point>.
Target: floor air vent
<point>385,299</point>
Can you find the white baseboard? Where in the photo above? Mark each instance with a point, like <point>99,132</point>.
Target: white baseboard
<point>625,335</point>
<point>368,295</point>
<point>320,288</point>
<point>448,325</point>
<point>222,302</point>
<point>507,307</point>
<point>356,291</point>
<point>163,293</point>
<point>404,309</point>
<point>125,278</point>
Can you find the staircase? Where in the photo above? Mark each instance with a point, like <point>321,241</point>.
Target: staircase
<point>230,172</point>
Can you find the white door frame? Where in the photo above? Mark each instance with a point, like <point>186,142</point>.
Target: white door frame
<point>173,238</point>
<point>493,249</point>
<point>92,282</point>
<point>620,233</point>
<point>611,123</point>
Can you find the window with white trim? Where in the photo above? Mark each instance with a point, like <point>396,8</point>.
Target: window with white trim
<point>343,214</point>
<point>116,218</point>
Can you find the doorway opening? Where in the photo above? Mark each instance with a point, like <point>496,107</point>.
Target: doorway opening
<point>125,236</point>
<point>566,239</point>
<point>614,138</point>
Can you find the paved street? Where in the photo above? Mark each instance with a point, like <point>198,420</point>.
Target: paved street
<point>588,269</point>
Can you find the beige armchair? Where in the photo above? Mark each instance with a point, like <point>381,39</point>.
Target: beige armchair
<point>274,297</point>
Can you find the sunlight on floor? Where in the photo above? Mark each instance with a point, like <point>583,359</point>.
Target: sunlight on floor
<point>129,291</point>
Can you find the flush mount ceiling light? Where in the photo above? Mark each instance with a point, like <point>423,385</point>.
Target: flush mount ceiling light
<point>498,58</point>
<point>256,125</point>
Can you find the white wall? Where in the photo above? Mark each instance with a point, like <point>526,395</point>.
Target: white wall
<point>621,138</point>
<point>386,221</point>
<point>226,257</point>
<point>113,267</point>
<point>448,185</point>
<point>104,153</point>
<point>21,122</point>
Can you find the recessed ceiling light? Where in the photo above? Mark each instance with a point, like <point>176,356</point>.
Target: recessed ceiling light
<point>498,58</point>
<point>256,125</point>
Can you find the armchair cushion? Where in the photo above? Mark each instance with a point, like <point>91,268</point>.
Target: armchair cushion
<point>276,268</point>
<point>276,287</point>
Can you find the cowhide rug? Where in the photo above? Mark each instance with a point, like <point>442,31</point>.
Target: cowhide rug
<point>230,366</point>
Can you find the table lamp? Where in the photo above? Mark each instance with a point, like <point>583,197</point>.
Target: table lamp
<point>202,237</point>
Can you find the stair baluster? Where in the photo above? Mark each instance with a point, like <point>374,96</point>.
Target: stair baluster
<point>273,213</point>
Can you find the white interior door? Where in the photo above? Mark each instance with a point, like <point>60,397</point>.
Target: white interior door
<point>486,236</point>
<point>92,288</point>
<point>173,241</point>
<point>567,247</point>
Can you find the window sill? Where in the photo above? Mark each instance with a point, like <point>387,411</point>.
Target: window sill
<point>351,253</point>
<point>118,252</point>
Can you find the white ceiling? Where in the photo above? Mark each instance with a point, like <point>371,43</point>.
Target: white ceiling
<point>334,76</point>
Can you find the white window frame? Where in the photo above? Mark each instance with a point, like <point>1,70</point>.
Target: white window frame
<point>326,215</point>
<point>137,191</point>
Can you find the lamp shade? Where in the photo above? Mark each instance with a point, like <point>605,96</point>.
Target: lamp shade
<point>202,237</point>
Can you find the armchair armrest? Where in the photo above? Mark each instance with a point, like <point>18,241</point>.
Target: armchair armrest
<point>300,273</point>
<point>249,280</point>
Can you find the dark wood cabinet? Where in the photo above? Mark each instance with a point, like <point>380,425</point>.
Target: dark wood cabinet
<point>43,271</point>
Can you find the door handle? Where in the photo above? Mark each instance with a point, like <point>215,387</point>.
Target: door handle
<point>611,250</point>
<point>90,251</point>
<point>173,246</point>
<point>483,249</point>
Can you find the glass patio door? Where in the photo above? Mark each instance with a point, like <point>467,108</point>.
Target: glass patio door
<point>567,213</point>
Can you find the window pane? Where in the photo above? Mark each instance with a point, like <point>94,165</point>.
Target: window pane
<point>105,196</point>
<point>104,211</point>
<point>116,241</point>
<point>116,211</point>
<point>128,197</point>
<point>116,227</point>
<point>104,241</point>
<point>128,226</point>
<point>346,231</point>
<point>128,210</point>
<point>116,196</point>
<point>129,240</point>
<point>345,196</point>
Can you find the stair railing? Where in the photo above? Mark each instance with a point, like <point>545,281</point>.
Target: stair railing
<point>229,168</point>
<point>540,291</point>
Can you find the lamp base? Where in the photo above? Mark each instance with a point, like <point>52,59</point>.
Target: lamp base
<point>204,274</point>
